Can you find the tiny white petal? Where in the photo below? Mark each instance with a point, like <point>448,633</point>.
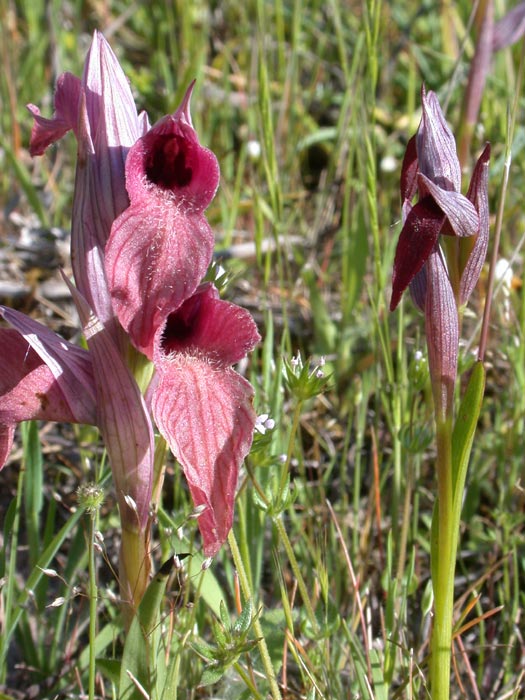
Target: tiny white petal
<point>503,273</point>
<point>253,149</point>
<point>388,164</point>
<point>206,564</point>
<point>197,511</point>
<point>111,595</point>
<point>57,602</point>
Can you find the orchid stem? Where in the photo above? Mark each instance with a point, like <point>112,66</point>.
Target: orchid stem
<point>93,598</point>
<point>261,643</point>
<point>443,565</point>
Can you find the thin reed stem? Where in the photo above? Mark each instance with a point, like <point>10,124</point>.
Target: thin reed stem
<point>261,641</point>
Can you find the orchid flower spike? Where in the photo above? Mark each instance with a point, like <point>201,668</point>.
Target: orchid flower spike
<point>431,169</point>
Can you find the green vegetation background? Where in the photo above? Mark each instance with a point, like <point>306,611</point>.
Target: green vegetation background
<point>306,228</point>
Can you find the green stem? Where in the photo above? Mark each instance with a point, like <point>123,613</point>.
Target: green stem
<point>297,572</point>
<point>93,597</point>
<point>247,680</point>
<point>246,590</point>
<point>291,446</point>
<point>445,539</point>
<point>11,578</point>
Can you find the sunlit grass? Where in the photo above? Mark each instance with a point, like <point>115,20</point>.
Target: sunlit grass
<point>337,558</point>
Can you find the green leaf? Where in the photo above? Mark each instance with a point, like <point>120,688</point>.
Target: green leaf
<point>243,622</point>
<point>465,428</point>
<point>9,519</point>
<point>212,674</point>
<point>225,618</point>
<point>378,679</point>
<point>103,640</point>
<point>219,633</point>
<point>143,658</point>
<point>204,650</point>
<point>33,491</point>
<point>110,669</point>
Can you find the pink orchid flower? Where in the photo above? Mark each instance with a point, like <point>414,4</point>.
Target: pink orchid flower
<point>140,247</point>
<point>161,245</point>
<point>202,406</point>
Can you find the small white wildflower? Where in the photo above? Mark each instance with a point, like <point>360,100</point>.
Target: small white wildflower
<point>97,547</point>
<point>99,537</point>
<point>282,458</point>
<point>48,572</point>
<point>388,164</point>
<point>264,423</point>
<point>418,356</point>
<point>295,361</point>
<point>322,361</point>
<point>111,595</point>
<point>253,149</point>
<point>319,373</point>
<point>503,273</point>
<point>180,533</point>
<point>57,603</point>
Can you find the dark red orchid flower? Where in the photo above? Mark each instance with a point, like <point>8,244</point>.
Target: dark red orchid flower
<point>431,169</point>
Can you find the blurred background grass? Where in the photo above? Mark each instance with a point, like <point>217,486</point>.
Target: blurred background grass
<point>308,106</point>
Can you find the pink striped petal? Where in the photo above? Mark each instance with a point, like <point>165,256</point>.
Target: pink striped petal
<point>206,415</point>
<point>47,131</point>
<point>123,420</point>
<point>478,195</point>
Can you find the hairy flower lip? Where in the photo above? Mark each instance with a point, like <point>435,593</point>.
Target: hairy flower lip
<point>207,325</point>
<point>202,406</point>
